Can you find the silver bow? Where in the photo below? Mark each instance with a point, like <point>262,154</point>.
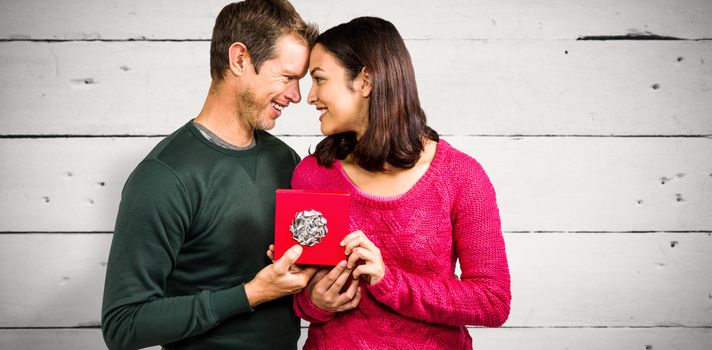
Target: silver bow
<point>308,227</point>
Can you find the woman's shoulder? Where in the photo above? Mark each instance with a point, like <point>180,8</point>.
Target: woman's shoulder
<point>457,162</point>
<point>309,165</point>
<point>309,173</point>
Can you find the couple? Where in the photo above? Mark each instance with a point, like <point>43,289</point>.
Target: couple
<point>188,268</point>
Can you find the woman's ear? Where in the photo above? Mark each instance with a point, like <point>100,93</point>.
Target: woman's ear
<point>239,58</point>
<point>366,84</point>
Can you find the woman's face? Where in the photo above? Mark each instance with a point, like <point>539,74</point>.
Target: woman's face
<point>342,104</point>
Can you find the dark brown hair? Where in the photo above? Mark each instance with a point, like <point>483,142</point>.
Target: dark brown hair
<point>257,24</point>
<point>396,122</point>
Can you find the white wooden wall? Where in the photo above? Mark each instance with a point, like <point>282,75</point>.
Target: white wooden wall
<point>600,151</point>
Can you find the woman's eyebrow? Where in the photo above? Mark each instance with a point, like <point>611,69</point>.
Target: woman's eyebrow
<point>314,70</point>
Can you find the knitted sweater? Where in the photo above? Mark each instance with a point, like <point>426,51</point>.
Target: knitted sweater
<point>193,226</point>
<point>449,214</point>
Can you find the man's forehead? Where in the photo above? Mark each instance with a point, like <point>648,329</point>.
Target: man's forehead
<point>291,53</point>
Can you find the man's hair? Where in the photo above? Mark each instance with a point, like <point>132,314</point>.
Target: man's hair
<point>257,24</point>
<point>396,123</point>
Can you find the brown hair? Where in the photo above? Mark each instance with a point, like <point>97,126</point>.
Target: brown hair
<point>396,122</point>
<point>257,24</point>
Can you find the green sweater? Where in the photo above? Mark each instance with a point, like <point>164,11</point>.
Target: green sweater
<point>193,226</point>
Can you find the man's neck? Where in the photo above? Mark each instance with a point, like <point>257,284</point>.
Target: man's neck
<point>221,116</point>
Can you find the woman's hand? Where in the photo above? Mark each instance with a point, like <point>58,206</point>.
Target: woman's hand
<point>359,247</point>
<point>325,289</point>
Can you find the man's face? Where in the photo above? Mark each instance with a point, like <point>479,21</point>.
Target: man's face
<point>276,85</point>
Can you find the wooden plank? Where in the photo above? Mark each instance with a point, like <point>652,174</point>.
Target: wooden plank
<point>592,338</point>
<point>493,19</point>
<point>543,183</point>
<point>484,339</point>
<point>468,87</point>
<point>606,184</point>
<point>75,184</point>
<point>56,339</point>
<point>558,280</point>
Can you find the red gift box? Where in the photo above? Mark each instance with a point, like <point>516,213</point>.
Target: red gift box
<point>333,206</point>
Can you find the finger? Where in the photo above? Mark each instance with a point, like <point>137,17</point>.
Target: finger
<point>362,253</point>
<point>299,269</point>
<point>319,275</point>
<point>290,256</point>
<point>332,276</point>
<point>353,303</point>
<point>360,241</point>
<point>351,236</point>
<point>270,252</point>
<point>353,259</point>
<point>364,270</point>
<point>308,272</point>
<point>339,282</point>
<point>351,291</point>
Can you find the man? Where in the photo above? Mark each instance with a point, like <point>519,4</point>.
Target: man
<point>187,267</point>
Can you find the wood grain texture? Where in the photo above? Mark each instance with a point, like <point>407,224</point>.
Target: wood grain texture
<point>466,87</point>
<point>558,280</point>
<point>483,339</point>
<point>422,19</point>
<point>608,233</point>
<point>592,338</point>
<point>542,183</point>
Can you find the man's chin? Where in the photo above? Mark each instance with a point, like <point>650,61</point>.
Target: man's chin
<point>266,124</point>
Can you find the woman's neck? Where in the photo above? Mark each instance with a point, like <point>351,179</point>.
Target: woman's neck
<point>394,180</point>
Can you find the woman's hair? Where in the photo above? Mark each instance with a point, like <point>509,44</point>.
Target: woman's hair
<point>396,122</point>
<point>257,24</point>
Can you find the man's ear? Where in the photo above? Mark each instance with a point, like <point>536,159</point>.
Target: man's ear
<point>239,58</point>
<point>366,84</point>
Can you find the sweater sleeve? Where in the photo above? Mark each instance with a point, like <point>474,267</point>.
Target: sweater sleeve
<point>306,310</point>
<point>481,296</point>
<point>154,215</point>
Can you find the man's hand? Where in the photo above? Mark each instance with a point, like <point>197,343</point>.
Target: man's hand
<point>325,289</point>
<point>279,279</point>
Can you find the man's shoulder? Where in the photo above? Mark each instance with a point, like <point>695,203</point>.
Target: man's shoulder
<point>175,142</point>
<point>272,146</point>
<point>271,141</point>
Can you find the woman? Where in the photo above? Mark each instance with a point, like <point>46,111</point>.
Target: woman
<point>418,203</point>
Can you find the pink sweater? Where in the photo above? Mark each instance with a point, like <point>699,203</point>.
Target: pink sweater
<point>451,213</point>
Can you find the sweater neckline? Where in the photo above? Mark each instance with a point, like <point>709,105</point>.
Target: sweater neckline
<point>231,152</point>
<point>384,202</point>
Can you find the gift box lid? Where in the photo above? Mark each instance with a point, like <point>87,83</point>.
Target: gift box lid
<point>316,219</point>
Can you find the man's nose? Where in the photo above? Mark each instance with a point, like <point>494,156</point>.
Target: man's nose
<point>293,92</point>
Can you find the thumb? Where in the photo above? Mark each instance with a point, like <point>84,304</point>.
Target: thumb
<point>288,259</point>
